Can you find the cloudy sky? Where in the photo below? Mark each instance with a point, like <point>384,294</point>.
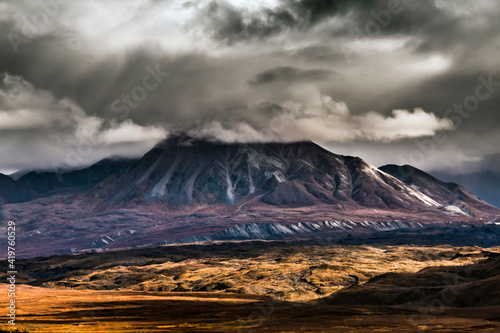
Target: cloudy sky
<point>401,81</point>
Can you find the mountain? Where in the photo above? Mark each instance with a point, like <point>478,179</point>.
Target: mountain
<point>11,191</point>
<point>180,172</point>
<point>49,182</point>
<point>196,172</point>
<point>451,195</point>
<point>484,184</point>
<point>187,189</point>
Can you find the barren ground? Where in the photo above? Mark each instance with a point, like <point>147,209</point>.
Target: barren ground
<point>262,287</point>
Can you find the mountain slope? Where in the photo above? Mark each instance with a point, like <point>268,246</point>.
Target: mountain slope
<point>11,191</point>
<point>477,285</point>
<point>486,184</point>
<point>47,182</point>
<point>196,172</point>
<point>451,195</point>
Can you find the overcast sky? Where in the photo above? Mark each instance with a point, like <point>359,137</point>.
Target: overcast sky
<point>408,81</point>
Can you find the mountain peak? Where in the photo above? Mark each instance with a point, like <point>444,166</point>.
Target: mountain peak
<point>183,139</point>
<point>451,194</point>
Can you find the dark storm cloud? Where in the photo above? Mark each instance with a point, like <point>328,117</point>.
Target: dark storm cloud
<point>372,18</point>
<point>290,74</point>
<point>233,25</point>
<point>404,17</point>
<point>241,71</point>
<point>94,83</point>
<point>430,27</point>
<point>229,24</point>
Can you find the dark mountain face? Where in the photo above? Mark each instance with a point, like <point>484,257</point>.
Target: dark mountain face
<point>45,183</point>
<point>486,185</point>
<point>448,194</point>
<point>283,175</point>
<point>12,192</point>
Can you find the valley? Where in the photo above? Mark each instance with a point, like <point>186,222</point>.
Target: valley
<point>262,287</point>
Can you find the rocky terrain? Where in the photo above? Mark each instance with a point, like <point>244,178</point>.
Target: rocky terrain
<point>470,286</point>
<point>262,287</point>
<point>295,272</point>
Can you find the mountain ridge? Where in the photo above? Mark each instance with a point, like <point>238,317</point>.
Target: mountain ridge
<point>453,193</point>
<point>197,188</point>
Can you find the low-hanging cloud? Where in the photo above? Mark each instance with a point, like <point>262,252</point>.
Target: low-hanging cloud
<point>329,122</point>
<point>60,123</point>
<point>332,121</point>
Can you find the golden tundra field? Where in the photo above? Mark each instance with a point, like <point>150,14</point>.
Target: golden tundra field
<point>266,287</point>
